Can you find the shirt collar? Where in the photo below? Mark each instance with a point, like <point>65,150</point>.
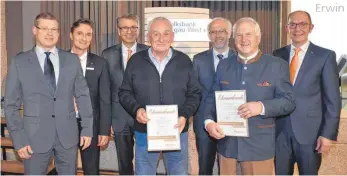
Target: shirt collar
<point>225,53</point>
<point>167,57</point>
<point>125,49</point>
<point>303,48</point>
<point>83,57</point>
<point>41,51</point>
<point>249,57</point>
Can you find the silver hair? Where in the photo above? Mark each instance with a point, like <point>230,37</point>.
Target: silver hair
<point>220,18</point>
<point>247,19</point>
<point>158,19</point>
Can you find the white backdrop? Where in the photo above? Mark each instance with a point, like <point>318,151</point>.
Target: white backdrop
<point>330,22</point>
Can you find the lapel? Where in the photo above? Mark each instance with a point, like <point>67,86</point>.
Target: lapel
<point>210,63</point>
<point>120,56</point>
<point>305,65</point>
<point>90,64</point>
<point>62,61</point>
<point>286,54</point>
<point>34,61</point>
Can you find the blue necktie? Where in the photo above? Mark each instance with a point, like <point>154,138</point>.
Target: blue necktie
<point>49,71</point>
<point>220,56</point>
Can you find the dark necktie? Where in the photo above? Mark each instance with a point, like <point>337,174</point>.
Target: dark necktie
<point>220,56</point>
<point>49,71</point>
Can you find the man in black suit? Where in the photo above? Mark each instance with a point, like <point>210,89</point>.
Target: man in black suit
<point>96,72</point>
<point>117,57</point>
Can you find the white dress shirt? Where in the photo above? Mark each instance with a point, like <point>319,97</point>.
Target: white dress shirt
<point>302,54</point>
<point>125,53</point>
<point>83,61</point>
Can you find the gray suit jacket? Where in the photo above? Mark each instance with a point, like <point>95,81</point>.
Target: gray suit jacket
<point>46,114</point>
<point>265,80</point>
<point>113,55</point>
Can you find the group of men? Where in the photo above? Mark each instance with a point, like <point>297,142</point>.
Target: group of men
<point>293,100</point>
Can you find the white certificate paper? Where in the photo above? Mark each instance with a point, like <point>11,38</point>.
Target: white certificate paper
<point>161,132</point>
<point>227,103</point>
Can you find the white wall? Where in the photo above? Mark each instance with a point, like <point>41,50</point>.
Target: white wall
<point>330,22</point>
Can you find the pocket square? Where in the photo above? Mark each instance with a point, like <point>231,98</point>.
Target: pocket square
<point>90,68</point>
<point>264,84</point>
<point>224,82</point>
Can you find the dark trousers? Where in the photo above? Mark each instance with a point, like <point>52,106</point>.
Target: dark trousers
<point>289,151</point>
<point>207,148</point>
<point>125,150</point>
<point>90,156</point>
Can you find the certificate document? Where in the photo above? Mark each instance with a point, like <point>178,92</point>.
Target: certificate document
<point>227,103</point>
<point>161,132</point>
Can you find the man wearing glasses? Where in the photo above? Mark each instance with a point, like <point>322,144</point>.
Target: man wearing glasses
<point>312,127</point>
<point>118,57</point>
<point>46,80</point>
<point>205,65</point>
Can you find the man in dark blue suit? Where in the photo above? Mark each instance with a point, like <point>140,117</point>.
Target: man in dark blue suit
<point>313,126</point>
<point>269,94</point>
<point>205,65</point>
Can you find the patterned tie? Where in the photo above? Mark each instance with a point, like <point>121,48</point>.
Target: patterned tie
<point>49,71</point>
<point>294,64</point>
<point>220,56</point>
<point>129,54</point>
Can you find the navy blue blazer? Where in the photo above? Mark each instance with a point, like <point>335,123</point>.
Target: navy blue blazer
<point>265,80</point>
<point>204,67</point>
<point>318,102</point>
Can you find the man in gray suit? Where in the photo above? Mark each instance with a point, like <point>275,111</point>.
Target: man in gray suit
<point>269,94</point>
<point>117,57</point>
<point>46,80</point>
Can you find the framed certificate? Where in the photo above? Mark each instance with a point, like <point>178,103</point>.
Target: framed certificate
<point>161,132</point>
<point>227,103</point>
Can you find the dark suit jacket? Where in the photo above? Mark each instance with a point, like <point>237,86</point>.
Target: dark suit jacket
<point>46,114</point>
<point>98,82</point>
<point>276,96</point>
<point>114,57</point>
<point>204,68</point>
<point>318,102</point>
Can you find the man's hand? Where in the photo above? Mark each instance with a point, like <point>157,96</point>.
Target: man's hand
<point>214,130</point>
<point>85,141</point>
<point>141,116</point>
<point>250,109</point>
<point>102,140</point>
<point>323,144</point>
<point>181,123</point>
<point>25,152</point>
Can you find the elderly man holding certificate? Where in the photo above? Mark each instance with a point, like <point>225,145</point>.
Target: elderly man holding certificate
<point>250,90</point>
<point>161,91</point>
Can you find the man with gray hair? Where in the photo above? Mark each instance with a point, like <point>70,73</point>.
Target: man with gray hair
<point>205,65</point>
<point>118,57</point>
<point>160,75</point>
<point>269,94</point>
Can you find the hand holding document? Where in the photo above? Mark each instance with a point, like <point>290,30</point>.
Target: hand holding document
<point>227,104</point>
<point>162,134</point>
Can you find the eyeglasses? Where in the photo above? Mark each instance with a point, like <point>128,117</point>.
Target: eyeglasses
<point>223,31</point>
<point>53,30</point>
<point>301,25</point>
<point>126,29</point>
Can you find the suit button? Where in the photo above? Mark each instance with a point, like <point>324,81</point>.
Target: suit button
<point>243,82</point>
<point>54,99</point>
<point>245,68</point>
<point>53,116</point>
